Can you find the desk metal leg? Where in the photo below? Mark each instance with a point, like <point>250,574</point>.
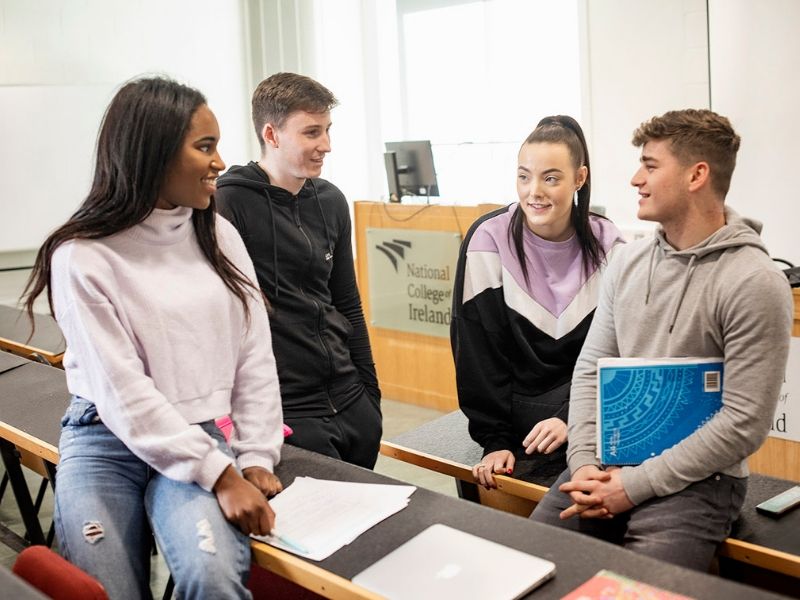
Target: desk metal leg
<point>468,491</point>
<point>21,492</point>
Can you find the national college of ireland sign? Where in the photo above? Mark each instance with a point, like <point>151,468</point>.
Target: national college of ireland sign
<point>786,422</point>
<point>411,279</point>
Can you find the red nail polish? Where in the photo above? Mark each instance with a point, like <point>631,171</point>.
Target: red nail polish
<point>510,471</point>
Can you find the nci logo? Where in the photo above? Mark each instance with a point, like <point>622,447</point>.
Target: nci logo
<point>394,250</point>
<point>411,279</point>
<point>424,284</point>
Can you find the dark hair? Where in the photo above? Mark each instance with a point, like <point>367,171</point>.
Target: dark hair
<point>281,94</point>
<point>142,131</point>
<point>696,135</point>
<point>561,129</point>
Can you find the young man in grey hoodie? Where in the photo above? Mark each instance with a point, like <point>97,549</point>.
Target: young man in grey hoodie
<point>704,287</point>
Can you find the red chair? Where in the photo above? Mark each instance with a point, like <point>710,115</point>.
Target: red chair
<point>55,577</point>
<point>265,585</point>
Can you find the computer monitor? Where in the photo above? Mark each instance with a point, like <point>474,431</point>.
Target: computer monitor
<point>410,170</point>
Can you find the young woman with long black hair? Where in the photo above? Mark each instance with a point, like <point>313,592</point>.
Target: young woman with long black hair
<point>525,292</point>
<point>165,332</point>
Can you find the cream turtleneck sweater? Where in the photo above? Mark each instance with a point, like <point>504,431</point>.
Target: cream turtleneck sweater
<point>158,343</point>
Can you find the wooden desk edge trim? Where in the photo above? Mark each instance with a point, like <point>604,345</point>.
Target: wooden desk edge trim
<point>23,350</point>
<point>746,552</point>
<point>427,461</point>
<point>27,442</point>
<point>306,574</point>
<point>760,556</point>
<point>523,489</point>
<point>509,485</point>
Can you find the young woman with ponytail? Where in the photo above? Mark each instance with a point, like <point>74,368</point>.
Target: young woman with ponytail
<point>525,292</point>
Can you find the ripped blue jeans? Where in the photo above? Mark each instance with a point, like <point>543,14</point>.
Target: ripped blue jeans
<point>107,500</point>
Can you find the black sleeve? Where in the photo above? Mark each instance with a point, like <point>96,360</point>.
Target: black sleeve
<point>480,338</point>
<point>346,299</point>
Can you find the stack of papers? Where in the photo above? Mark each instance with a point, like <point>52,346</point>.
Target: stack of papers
<point>316,517</point>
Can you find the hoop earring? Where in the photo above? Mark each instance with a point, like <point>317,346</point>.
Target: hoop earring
<point>575,197</point>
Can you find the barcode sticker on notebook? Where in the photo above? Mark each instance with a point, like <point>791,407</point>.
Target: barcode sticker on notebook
<point>711,381</point>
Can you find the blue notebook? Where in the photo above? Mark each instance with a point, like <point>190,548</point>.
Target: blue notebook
<point>646,406</point>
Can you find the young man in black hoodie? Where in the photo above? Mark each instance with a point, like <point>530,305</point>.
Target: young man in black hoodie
<point>296,227</point>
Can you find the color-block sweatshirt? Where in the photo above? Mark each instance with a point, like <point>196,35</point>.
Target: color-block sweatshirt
<point>515,342</point>
<point>722,297</point>
<point>158,343</point>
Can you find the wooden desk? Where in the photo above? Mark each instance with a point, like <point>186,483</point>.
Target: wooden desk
<point>47,343</point>
<point>443,445</point>
<point>331,577</point>
<point>38,428</point>
<point>10,361</point>
<point>33,398</point>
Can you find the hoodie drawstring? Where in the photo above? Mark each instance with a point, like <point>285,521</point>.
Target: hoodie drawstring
<point>274,242</point>
<point>679,301</point>
<point>324,221</point>
<point>650,271</point>
<point>686,279</point>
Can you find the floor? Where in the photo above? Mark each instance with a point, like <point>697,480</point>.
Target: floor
<point>398,418</point>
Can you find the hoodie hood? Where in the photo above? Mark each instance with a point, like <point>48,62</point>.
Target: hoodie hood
<point>253,177</point>
<point>737,232</point>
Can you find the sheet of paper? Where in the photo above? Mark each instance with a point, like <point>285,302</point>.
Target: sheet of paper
<point>319,516</point>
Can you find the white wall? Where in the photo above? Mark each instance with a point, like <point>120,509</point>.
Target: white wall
<point>336,44</point>
<point>644,57</point>
<point>755,61</point>
<point>61,62</point>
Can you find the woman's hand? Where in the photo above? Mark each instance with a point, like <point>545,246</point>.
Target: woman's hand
<point>243,504</point>
<point>499,461</point>
<point>267,482</point>
<point>546,436</point>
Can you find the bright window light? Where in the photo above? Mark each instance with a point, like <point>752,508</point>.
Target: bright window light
<point>477,77</point>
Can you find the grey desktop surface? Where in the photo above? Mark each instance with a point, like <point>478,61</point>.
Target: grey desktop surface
<point>577,557</point>
<point>10,361</point>
<point>14,587</point>
<point>15,326</point>
<point>34,398</point>
<point>447,437</point>
<point>778,533</point>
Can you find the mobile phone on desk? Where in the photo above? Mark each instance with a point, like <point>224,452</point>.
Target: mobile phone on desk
<point>780,504</point>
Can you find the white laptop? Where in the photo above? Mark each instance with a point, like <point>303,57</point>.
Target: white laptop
<point>442,562</point>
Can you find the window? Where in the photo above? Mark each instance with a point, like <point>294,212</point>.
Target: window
<point>472,77</point>
<point>476,77</point>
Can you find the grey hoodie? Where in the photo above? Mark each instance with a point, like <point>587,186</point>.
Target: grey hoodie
<point>723,297</point>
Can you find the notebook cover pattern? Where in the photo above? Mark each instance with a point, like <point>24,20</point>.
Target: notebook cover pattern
<point>649,407</point>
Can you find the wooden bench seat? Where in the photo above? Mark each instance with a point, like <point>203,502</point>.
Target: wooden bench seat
<point>443,445</point>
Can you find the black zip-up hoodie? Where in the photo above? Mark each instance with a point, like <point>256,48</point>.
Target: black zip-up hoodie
<point>302,252</point>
